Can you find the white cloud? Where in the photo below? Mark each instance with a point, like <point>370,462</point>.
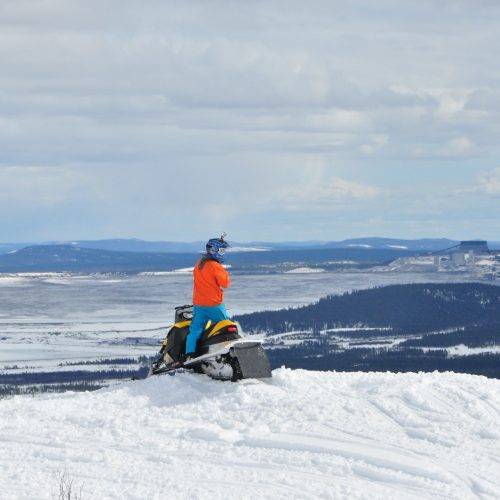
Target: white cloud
<point>345,188</point>
<point>40,186</point>
<point>458,147</point>
<point>449,105</point>
<point>324,191</point>
<point>486,100</point>
<point>376,143</point>
<point>159,105</point>
<point>489,182</point>
<point>339,120</point>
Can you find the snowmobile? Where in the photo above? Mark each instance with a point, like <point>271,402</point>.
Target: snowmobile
<point>221,352</point>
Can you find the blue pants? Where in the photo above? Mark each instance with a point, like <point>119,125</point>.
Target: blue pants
<point>201,316</point>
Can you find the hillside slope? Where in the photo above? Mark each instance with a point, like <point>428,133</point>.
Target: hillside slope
<point>416,307</point>
<point>300,435</point>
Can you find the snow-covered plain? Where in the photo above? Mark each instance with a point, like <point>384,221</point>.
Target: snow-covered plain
<point>300,435</point>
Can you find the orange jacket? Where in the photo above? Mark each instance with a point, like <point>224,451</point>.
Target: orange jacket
<point>208,282</point>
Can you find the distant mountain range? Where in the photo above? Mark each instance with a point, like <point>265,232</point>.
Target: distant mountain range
<point>73,258</point>
<point>136,245</point>
<point>132,255</point>
<point>421,245</point>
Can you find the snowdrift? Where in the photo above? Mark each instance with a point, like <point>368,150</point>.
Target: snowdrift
<point>302,434</point>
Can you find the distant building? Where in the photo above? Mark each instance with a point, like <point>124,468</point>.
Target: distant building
<point>475,246</point>
<point>458,258</point>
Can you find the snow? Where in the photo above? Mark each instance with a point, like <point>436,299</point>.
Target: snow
<point>183,270</point>
<point>34,275</point>
<point>486,261</point>
<point>6,280</point>
<point>463,350</point>
<point>248,249</point>
<point>48,344</point>
<point>298,435</point>
<point>305,270</point>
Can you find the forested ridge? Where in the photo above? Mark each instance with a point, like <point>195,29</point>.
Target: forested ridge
<point>414,308</point>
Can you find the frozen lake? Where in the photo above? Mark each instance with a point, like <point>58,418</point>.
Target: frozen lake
<point>77,299</point>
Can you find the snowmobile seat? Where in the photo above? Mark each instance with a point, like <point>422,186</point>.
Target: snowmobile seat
<point>175,343</point>
<point>220,332</point>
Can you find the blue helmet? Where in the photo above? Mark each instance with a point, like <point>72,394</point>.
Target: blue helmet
<point>216,248</point>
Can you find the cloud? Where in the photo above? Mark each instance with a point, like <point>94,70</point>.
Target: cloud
<point>324,191</point>
<point>339,120</point>
<point>165,117</point>
<point>341,188</point>
<point>399,96</point>
<point>489,182</point>
<point>458,147</point>
<point>484,100</point>
<point>40,186</point>
<point>486,183</point>
<point>376,143</point>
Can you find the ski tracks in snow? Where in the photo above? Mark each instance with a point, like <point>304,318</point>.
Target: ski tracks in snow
<point>301,434</point>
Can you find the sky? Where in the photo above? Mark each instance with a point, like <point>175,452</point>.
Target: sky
<point>270,120</point>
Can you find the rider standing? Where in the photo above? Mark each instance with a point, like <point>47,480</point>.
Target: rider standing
<point>210,278</point>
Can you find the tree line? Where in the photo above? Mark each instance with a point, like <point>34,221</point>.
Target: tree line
<point>406,309</point>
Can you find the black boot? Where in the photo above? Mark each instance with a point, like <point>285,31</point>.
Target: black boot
<point>182,359</point>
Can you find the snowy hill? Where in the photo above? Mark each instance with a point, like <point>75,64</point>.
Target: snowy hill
<point>300,435</point>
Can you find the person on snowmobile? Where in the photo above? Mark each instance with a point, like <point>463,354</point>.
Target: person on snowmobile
<point>210,278</point>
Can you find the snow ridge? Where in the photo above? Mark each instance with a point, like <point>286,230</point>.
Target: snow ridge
<point>302,434</point>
